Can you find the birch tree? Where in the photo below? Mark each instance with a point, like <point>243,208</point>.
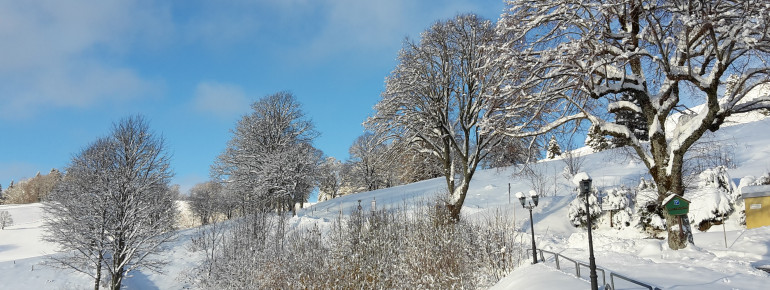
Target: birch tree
<point>434,102</point>
<point>666,54</point>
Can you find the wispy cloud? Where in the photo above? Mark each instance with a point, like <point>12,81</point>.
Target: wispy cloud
<point>63,54</point>
<point>220,100</point>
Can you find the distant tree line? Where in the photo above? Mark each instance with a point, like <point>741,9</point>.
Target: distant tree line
<point>35,189</point>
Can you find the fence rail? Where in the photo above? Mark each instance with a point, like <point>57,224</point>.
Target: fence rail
<point>611,286</point>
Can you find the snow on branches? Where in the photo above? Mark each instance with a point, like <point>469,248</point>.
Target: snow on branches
<point>582,57</point>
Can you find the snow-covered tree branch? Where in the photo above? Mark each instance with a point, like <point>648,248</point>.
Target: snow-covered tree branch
<point>663,54</point>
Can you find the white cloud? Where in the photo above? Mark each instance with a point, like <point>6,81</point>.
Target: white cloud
<point>370,28</point>
<point>64,54</point>
<point>221,100</point>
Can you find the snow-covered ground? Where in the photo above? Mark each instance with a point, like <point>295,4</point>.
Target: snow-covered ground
<point>710,264</point>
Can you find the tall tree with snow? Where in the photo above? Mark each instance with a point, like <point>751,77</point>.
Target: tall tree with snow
<point>115,209</point>
<point>589,53</point>
<point>77,211</point>
<point>434,101</point>
<point>270,163</point>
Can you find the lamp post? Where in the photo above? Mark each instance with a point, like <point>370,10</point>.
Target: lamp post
<point>585,189</point>
<point>533,204</point>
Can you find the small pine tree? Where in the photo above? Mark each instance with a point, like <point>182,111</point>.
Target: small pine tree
<point>713,198</point>
<point>648,210</point>
<point>596,140</point>
<point>618,201</point>
<point>553,148</point>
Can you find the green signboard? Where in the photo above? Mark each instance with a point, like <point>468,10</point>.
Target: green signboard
<point>676,205</point>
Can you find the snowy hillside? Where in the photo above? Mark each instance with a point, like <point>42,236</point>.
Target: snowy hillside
<point>710,264</point>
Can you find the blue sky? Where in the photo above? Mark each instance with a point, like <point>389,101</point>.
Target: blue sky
<point>69,69</point>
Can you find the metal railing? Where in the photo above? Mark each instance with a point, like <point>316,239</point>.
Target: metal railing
<point>577,264</point>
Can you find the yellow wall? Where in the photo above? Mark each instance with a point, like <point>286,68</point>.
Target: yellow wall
<point>757,217</point>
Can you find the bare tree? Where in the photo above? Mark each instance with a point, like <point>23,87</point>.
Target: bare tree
<point>5,219</point>
<point>115,208</point>
<point>370,162</point>
<point>330,179</point>
<point>77,211</point>
<point>586,55</point>
<point>434,101</point>
<point>203,201</point>
<point>269,162</point>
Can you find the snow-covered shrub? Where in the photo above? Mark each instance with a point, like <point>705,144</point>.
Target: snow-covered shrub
<point>711,201</point>
<point>577,210</point>
<point>617,202</point>
<point>739,204</point>
<point>5,219</point>
<point>388,249</point>
<point>762,180</point>
<point>648,210</point>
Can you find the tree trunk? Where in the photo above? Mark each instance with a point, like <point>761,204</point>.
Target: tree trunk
<point>678,239</point>
<point>462,190</point>
<point>117,280</point>
<point>98,279</point>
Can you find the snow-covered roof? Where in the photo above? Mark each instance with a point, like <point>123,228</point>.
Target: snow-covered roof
<point>755,191</point>
<point>668,198</point>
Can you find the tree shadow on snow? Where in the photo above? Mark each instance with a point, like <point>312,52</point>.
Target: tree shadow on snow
<point>139,280</point>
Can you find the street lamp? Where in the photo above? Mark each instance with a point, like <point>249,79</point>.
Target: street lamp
<point>534,197</point>
<point>585,189</point>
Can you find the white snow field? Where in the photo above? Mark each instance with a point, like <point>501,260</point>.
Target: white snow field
<point>709,264</point>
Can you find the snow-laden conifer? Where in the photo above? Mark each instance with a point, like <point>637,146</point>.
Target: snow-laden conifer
<point>712,198</point>
<point>554,150</point>
<point>577,210</point>
<point>617,202</point>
